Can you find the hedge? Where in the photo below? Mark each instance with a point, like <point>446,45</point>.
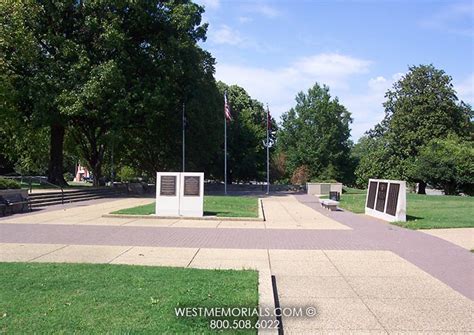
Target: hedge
<point>9,184</point>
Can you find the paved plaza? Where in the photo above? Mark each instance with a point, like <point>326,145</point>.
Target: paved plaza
<point>362,274</point>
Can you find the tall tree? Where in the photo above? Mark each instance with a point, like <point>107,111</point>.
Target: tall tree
<point>420,107</point>
<point>316,134</point>
<point>35,51</point>
<point>447,164</point>
<point>373,160</point>
<point>99,68</point>
<point>176,74</point>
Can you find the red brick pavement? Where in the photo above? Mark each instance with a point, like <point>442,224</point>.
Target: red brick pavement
<point>448,262</point>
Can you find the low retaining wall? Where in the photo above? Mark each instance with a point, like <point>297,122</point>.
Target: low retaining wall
<point>23,192</point>
<point>323,188</point>
<point>14,208</point>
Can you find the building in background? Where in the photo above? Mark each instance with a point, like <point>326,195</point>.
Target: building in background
<point>82,174</point>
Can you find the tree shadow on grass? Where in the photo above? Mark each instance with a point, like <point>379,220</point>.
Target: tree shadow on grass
<point>211,213</point>
<point>414,218</point>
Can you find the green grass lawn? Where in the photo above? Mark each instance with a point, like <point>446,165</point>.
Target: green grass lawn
<point>353,200</point>
<point>221,206</point>
<point>423,212</point>
<point>115,299</point>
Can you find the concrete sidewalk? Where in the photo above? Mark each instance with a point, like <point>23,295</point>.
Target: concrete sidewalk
<point>362,274</point>
<point>464,237</point>
<point>281,213</point>
<point>352,291</point>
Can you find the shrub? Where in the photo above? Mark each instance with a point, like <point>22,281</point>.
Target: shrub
<point>300,175</point>
<point>68,176</point>
<point>9,184</point>
<point>127,174</point>
<point>278,168</point>
<point>318,180</point>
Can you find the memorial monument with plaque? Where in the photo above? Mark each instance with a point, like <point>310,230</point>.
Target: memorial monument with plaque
<point>167,194</point>
<point>192,194</point>
<point>386,199</point>
<point>179,194</point>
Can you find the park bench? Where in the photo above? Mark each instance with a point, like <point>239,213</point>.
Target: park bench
<point>9,201</point>
<point>336,196</point>
<point>329,204</point>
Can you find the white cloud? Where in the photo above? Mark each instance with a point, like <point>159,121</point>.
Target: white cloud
<point>465,89</point>
<point>225,35</point>
<point>377,83</point>
<point>456,19</point>
<point>265,10</point>
<point>332,68</point>
<point>367,107</point>
<point>244,19</point>
<point>278,87</point>
<point>381,84</point>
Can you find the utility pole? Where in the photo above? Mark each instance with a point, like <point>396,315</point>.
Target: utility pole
<point>184,137</point>
<point>227,117</point>
<point>267,144</point>
<point>112,168</point>
<point>225,156</point>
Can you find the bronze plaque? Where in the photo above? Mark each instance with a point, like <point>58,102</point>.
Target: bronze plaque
<point>392,199</point>
<point>381,196</point>
<point>191,186</point>
<point>168,185</point>
<point>372,193</point>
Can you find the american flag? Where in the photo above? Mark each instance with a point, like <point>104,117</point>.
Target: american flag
<point>227,114</point>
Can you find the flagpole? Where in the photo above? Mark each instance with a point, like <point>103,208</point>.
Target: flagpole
<point>184,137</point>
<point>225,149</point>
<point>268,152</point>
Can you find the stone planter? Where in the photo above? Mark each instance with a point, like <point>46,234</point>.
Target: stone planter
<point>17,207</point>
<point>323,188</point>
<point>135,188</point>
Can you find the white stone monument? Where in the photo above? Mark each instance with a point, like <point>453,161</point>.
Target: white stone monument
<point>191,194</point>
<point>386,199</point>
<point>179,194</point>
<point>167,193</point>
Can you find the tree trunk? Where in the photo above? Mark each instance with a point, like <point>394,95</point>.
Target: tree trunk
<point>97,172</point>
<point>421,187</point>
<point>55,169</point>
<point>95,162</point>
<point>450,189</point>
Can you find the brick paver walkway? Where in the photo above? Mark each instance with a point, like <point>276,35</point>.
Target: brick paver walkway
<point>445,261</point>
<point>362,274</point>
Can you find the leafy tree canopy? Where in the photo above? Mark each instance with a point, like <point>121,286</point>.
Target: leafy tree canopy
<point>95,71</point>
<point>447,164</point>
<point>316,134</point>
<point>420,107</point>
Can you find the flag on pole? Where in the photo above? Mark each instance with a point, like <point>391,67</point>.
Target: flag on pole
<point>227,113</point>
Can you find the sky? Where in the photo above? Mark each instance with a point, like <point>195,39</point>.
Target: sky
<point>275,49</point>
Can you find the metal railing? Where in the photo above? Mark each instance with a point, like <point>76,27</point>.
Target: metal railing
<point>39,179</point>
